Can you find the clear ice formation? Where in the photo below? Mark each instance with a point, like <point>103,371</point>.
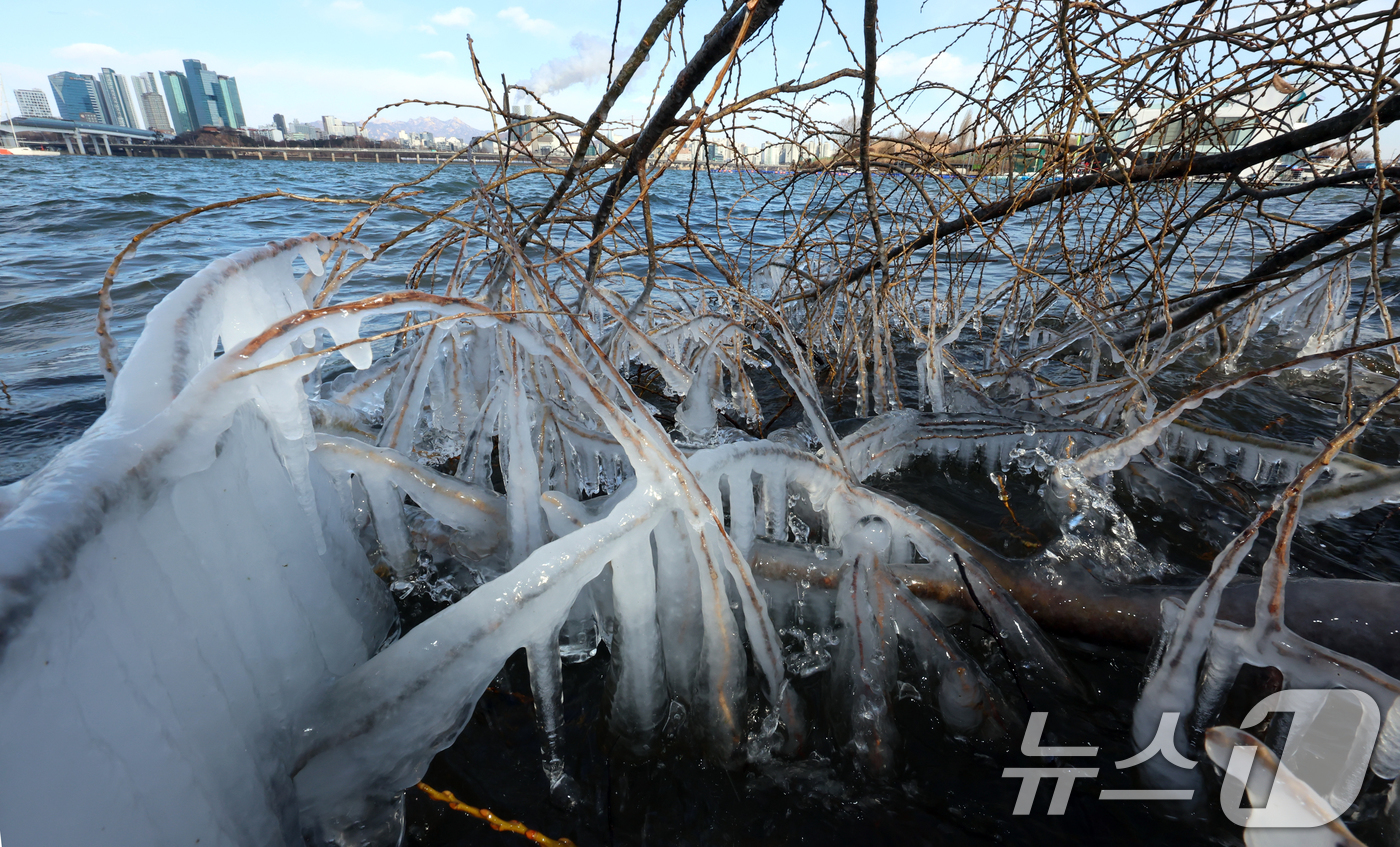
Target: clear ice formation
<point>178,586</point>
<point>199,642</point>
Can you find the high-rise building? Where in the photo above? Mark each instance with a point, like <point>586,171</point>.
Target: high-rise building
<point>204,94</point>
<point>117,99</point>
<point>153,112</point>
<point>280,122</point>
<point>231,106</point>
<point>128,102</point>
<point>151,104</point>
<point>336,128</point>
<point>32,103</point>
<point>180,100</point>
<point>214,97</point>
<point>104,106</point>
<point>77,96</point>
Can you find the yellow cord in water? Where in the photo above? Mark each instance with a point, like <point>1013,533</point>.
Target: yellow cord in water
<point>496,823</point>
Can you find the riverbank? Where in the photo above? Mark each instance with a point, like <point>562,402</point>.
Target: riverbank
<point>340,154</point>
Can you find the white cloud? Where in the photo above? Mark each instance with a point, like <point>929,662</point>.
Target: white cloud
<point>439,56</point>
<point>84,52</point>
<point>460,16</point>
<point>589,63</point>
<point>939,67</point>
<point>522,20</point>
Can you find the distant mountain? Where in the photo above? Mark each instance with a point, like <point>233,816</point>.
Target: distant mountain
<point>454,128</point>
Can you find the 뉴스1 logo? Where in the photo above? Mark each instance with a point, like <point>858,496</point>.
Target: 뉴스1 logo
<point>1317,777</point>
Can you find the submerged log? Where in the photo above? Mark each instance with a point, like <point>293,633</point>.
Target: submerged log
<point>1357,617</point>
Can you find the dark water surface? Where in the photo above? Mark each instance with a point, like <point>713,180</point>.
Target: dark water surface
<point>63,219</point>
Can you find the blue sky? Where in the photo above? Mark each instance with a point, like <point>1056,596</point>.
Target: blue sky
<point>308,58</point>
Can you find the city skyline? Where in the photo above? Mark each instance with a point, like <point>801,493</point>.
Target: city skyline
<point>106,98</point>
<point>369,53</point>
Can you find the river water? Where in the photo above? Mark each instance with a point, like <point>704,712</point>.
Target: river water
<point>63,219</point>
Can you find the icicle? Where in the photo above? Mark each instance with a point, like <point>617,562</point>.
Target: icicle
<point>888,442</point>
<point>679,618</point>
<point>741,510</point>
<point>867,646</point>
<point>932,363</point>
<point>639,699</point>
<point>1219,669</point>
<point>519,462</point>
<point>775,506</point>
<point>1117,453</point>
<point>1353,485</point>
<point>1171,687</point>
<point>695,416</point>
<point>308,252</point>
<point>386,504</point>
<point>547,686</point>
<point>475,462</point>
<point>401,416</point>
<point>967,700</point>
<point>720,682</point>
<point>580,634</point>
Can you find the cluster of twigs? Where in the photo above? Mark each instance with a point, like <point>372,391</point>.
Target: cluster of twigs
<point>1103,174</point>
